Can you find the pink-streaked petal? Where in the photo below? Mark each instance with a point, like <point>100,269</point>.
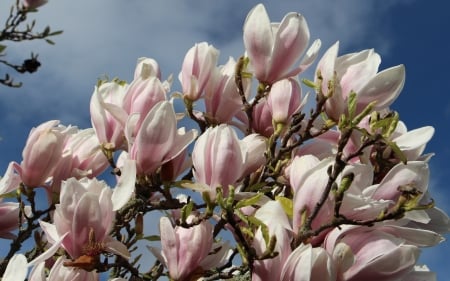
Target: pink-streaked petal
<point>258,39</point>
<point>169,245</point>
<point>414,174</point>
<point>291,40</point>
<point>358,74</point>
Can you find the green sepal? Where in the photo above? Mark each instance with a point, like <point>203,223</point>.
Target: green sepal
<point>351,103</point>
<point>186,211</point>
<point>286,204</point>
<point>397,151</point>
<point>249,201</point>
<point>152,238</point>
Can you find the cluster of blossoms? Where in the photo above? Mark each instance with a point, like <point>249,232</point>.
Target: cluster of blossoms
<point>267,186</point>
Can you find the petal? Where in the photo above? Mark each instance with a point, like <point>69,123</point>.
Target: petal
<point>17,268</point>
<point>384,87</point>
<point>10,181</point>
<point>116,247</point>
<point>414,174</point>
<point>49,252</point>
<point>258,39</point>
<point>291,40</point>
<point>169,245</point>
<point>125,186</point>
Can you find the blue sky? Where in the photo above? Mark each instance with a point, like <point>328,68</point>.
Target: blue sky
<point>105,37</point>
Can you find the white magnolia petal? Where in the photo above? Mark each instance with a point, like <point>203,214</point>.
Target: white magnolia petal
<point>384,87</point>
<point>125,186</point>
<point>17,268</point>
<point>50,251</point>
<point>415,236</point>
<point>10,180</point>
<point>116,247</point>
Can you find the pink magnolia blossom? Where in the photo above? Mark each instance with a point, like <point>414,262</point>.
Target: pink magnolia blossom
<point>273,48</point>
<point>186,250</point>
<point>276,220</point>
<point>108,117</point>
<point>358,72</point>
<point>145,91</point>
<point>285,99</point>
<point>158,140</point>
<point>217,158</point>
<point>307,263</point>
<point>376,255</point>
<point>9,211</point>
<point>42,153</point>
<point>85,214</point>
<point>220,159</point>
<point>86,153</point>
<point>61,272</point>
<point>222,100</point>
<point>262,118</point>
<point>415,174</point>
<point>308,178</point>
<point>198,66</point>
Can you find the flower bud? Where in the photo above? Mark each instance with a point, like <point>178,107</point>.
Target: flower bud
<point>42,153</point>
<point>198,64</point>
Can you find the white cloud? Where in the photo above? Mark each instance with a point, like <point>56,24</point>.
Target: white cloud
<point>106,37</point>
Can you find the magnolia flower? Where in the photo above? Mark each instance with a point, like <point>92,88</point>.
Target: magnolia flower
<point>306,263</point>
<point>198,66</point>
<point>87,156</point>
<point>42,153</point>
<point>220,159</point>
<point>410,177</point>
<point>145,91</point>
<point>262,118</point>
<point>285,99</point>
<point>158,139</point>
<point>222,100</point>
<point>274,217</point>
<point>108,118</point>
<point>358,73</point>
<point>187,250</point>
<point>84,217</point>
<point>59,271</point>
<point>308,178</point>
<point>9,211</point>
<point>370,254</point>
<point>274,47</point>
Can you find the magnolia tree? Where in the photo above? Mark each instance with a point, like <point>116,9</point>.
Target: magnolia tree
<point>272,183</point>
